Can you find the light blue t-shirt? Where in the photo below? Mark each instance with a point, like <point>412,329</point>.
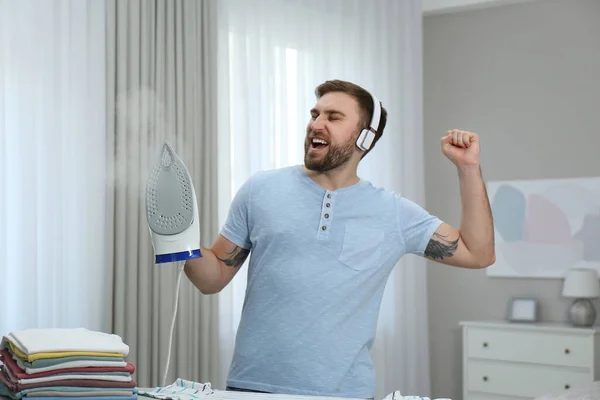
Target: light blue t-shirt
<point>318,267</point>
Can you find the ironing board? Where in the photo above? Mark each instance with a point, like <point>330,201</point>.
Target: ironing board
<point>188,390</point>
<point>205,392</point>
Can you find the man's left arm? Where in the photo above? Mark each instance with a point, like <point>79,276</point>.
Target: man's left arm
<point>471,246</point>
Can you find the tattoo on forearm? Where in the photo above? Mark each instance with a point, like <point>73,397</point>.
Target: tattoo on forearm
<point>440,248</point>
<point>236,257</point>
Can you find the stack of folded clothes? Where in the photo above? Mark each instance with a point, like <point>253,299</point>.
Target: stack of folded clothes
<point>69,364</point>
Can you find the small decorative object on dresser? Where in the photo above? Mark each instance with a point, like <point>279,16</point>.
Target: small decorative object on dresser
<point>581,284</point>
<point>522,310</point>
<point>506,361</point>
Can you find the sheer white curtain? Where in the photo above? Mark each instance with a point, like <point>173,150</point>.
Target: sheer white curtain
<point>52,165</point>
<point>273,54</point>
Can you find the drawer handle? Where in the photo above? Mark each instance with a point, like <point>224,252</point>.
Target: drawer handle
<point>485,378</point>
<point>567,386</point>
<point>567,351</point>
<point>485,344</point>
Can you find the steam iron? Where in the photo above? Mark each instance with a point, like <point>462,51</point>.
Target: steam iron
<point>171,210</point>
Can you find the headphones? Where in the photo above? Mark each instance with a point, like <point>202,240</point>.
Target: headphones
<point>366,137</point>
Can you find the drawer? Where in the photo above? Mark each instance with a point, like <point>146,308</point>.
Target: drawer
<point>526,380</point>
<point>535,347</point>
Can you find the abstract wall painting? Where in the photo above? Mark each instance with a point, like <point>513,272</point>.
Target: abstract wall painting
<point>544,227</point>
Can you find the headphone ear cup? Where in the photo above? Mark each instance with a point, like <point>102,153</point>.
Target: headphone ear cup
<point>365,139</point>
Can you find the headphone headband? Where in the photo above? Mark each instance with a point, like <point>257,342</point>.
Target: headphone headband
<point>367,135</point>
<point>374,125</point>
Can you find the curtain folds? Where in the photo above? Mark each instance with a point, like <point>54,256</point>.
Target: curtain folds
<point>160,88</point>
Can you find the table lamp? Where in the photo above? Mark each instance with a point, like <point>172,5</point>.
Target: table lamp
<point>581,284</point>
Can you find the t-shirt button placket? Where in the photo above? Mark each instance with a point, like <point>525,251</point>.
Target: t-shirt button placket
<point>326,213</point>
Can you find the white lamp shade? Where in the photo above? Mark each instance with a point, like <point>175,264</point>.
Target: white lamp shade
<point>581,283</point>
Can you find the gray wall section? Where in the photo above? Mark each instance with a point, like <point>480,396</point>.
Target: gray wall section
<point>526,78</point>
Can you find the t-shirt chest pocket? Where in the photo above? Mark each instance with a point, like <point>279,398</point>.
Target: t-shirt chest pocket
<point>361,246</point>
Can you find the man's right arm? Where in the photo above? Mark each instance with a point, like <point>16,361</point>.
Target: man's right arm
<point>217,266</point>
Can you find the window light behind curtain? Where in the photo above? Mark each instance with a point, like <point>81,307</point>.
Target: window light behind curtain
<point>52,165</point>
<point>273,55</point>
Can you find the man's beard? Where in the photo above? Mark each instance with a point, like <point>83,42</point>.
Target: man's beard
<point>335,157</point>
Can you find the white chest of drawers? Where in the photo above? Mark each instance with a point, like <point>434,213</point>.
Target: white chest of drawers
<point>516,361</point>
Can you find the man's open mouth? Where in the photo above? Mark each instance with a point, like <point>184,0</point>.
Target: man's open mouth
<point>318,143</point>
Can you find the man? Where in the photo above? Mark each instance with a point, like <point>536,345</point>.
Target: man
<point>323,244</point>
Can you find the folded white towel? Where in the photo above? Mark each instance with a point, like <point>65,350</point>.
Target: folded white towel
<point>44,340</point>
